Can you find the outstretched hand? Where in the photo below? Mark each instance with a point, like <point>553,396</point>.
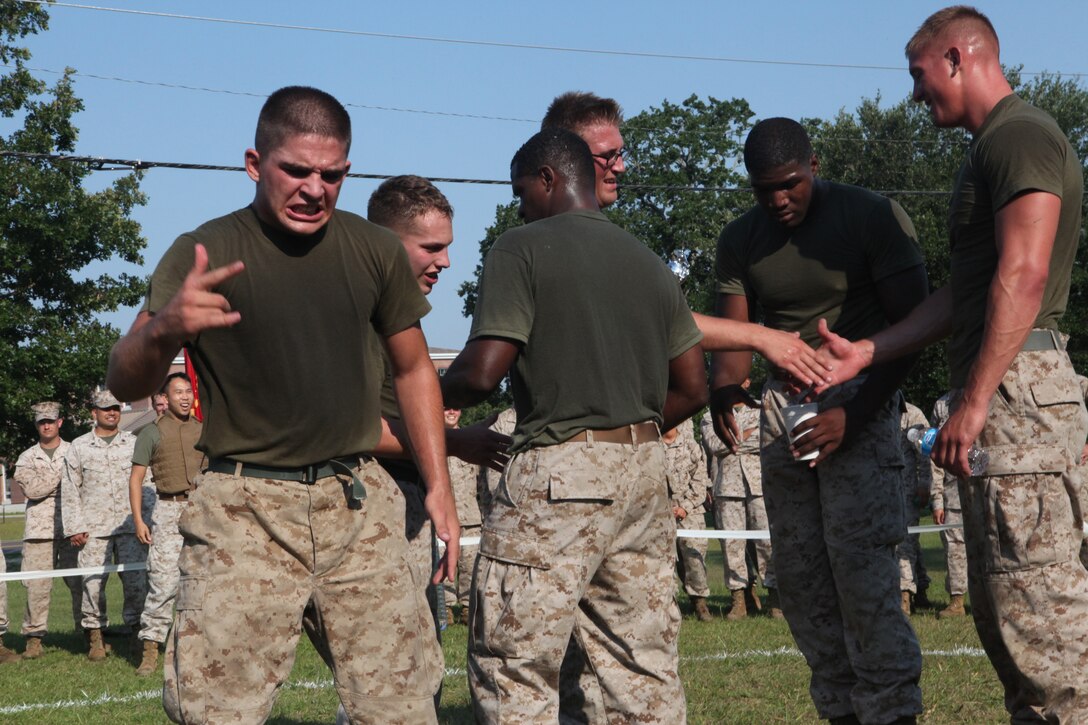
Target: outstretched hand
<point>479,445</point>
<point>788,352</point>
<point>195,307</point>
<point>845,357</point>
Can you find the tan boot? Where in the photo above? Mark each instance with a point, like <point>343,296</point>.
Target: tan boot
<point>954,608</point>
<point>774,607</point>
<point>701,612</point>
<point>751,600</point>
<point>33,648</point>
<point>150,661</point>
<point>739,610</point>
<point>905,602</point>
<point>464,615</point>
<point>96,648</point>
<point>6,655</point>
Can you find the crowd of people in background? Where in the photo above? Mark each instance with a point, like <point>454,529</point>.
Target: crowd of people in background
<point>334,502</point>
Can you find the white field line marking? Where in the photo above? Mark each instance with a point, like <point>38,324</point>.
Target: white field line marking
<point>107,699</point>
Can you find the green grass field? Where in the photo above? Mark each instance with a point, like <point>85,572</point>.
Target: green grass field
<point>733,672</point>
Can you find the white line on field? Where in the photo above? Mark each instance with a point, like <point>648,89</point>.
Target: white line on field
<point>107,699</point>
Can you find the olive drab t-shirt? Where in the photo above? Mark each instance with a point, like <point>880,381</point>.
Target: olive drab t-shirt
<point>294,382</point>
<point>827,267</point>
<point>598,316</point>
<point>1017,149</point>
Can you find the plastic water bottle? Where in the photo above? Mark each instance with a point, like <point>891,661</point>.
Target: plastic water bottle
<point>924,438</point>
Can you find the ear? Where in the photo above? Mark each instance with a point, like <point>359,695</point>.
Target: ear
<point>548,177</point>
<point>814,164</point>
<point>954,59</point>
<point>253,164</point>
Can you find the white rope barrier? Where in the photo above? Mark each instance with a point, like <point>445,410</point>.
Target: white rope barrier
<point>465,541</point>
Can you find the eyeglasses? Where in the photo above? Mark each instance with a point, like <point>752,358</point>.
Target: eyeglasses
<point>612,157</point>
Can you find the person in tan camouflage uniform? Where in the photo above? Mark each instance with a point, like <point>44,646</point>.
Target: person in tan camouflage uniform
<point>97,518</point>
<point>944,499</point>
<point>1015,222</point>
<point>578,538</point>
<point>38,472</point>
<point>168,448</point>
<point>463,478</point>
<point>917,478</point>
<point>685,469</point>
<point>6,655</point>
<point>738,506</point>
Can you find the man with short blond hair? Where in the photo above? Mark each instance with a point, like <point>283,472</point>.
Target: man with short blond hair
<point>1014,227</point>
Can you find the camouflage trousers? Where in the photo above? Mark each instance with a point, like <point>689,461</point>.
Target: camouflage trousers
<point>49,555</point>
<point>162,570</point>
<point>579,540</point>
<point>912,570</point>
<point>833,530</point>
<point>1022,525</point>
<point>256,554</point>
<point>116,549</point>
<point>744,514</point>
<point>458,592</point>
<point>423,548</point>
<point>955,553</point>
<point>691,558</point>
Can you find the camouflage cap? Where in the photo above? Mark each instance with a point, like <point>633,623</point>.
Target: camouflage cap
<point>104,399</point>
<point>47,410</point>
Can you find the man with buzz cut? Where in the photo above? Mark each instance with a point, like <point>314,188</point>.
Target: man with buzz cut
<point>278,305</point>
<point>578,538</point>
<point>1014,226</point>
<point>38,472</point>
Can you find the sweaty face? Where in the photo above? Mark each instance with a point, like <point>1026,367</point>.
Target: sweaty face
<point>107,419</point>
<point>605,142</point>
<point>298,182</point>
<point>530,191</point>
<point>427,240</point>
<point>934,85</point>
<point>179,397</point>
<point>785,192</point>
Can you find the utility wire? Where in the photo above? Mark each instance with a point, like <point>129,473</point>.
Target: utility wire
<point>454,114</point>
<point>99,163</point>
<point>484,43</point>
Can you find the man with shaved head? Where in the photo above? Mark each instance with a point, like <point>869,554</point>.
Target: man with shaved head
<point>1014,226</point>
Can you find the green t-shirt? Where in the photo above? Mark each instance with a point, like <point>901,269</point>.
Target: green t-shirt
<point>599,316</point>
<point>147,440</point>
<point>827,267</point>
<point>1017,149</point>
<point>294,382</point>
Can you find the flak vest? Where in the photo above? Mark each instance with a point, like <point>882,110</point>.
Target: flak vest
<point>176,461</point>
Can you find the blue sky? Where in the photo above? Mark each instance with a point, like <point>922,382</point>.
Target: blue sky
<point>239,64</point>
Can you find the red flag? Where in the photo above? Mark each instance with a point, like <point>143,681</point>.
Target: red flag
<point>191,372</point>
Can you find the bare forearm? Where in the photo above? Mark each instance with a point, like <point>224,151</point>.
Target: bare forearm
<point>140,360</point>
<point>729,368</point>
<point>421,410</point>
<point>136,492</point>
<point>722,334</point>
<point>929,322</point>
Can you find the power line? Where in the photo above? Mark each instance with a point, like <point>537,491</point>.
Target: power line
<point>454,114</point>
<point>99,163</point>
<point>483,43</point>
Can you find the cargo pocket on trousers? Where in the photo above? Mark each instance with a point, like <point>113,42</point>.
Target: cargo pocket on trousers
<point>1028,512</point>
<point>503,598</point>
<point>184,686</point>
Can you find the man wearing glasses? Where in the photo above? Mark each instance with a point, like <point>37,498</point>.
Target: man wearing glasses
<point>597,120</point>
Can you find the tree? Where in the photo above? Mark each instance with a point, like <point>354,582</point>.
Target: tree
<point>51,346</point>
